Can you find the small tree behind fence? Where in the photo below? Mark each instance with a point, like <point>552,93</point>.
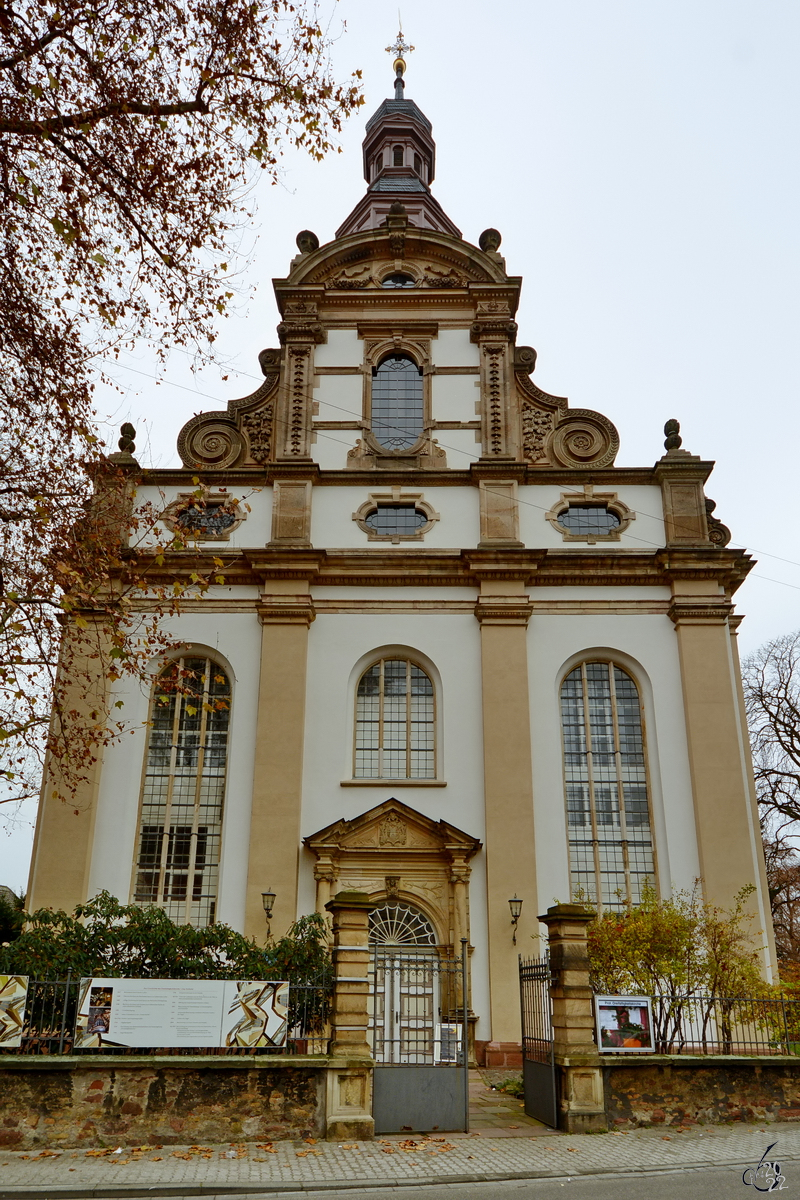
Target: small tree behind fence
<point>104,938</point>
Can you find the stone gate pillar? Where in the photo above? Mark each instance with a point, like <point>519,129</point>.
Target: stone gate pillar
<point>349,1083</point>
<point>579,1076</point>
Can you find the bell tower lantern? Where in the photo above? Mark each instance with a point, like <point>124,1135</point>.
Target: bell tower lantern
<point>399,162</point>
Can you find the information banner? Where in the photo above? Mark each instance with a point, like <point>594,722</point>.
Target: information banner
<point>181,1013</point>
<point>13,997</point>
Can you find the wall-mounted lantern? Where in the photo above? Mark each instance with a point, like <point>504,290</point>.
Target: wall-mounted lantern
<point>268,900</point>
<point>516,908</point>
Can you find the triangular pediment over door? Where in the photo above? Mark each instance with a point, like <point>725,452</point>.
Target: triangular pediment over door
<point>393,852</point>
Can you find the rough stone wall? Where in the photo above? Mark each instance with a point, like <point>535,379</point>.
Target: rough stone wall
<point>100,1102</point>
<point>678,1091</point>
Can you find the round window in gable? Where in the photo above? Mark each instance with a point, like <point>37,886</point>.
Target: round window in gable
<point>398,279</point>
<point>589,520</point>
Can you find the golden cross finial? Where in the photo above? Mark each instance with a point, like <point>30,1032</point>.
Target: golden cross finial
<point>400,47</point>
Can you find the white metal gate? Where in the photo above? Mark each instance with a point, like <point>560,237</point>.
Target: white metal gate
<point>418,1024</point>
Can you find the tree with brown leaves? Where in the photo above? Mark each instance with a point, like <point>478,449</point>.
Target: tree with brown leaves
<point>131,134</point>
<point>772,696</point>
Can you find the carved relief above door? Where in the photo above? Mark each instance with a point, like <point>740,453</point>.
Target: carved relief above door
<point>392,852</point>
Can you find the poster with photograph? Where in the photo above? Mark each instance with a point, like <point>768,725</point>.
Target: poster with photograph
<point>13,997</point>
<point>173,1013</point>
<point>624,1025</point>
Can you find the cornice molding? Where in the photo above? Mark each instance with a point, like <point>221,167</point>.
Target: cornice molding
<point>422,566</point>
<point>286,610</point>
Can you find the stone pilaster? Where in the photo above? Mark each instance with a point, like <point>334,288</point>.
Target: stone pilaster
<point>578,1070</point>
<point>62,848</point>
<point>503,610</point>
<point>495,331</point>
<point>286,612</point>
<point>299,332</point>
<point>682,476</point>
<point>728,835</point>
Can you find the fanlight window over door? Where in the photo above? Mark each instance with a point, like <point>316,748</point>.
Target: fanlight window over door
<point>180,827</point>
<point>398,409</point>
<point>395,722</point>
<point>608,809</point>
<point>399,925</point>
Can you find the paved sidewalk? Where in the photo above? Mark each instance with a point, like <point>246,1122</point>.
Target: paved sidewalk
<point>315,1166</point>
<point>494,1114</point>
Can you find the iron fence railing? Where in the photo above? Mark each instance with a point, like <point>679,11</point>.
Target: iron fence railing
<point>52,1006</point>
<point>703,1024</point>
<point>537,1028</point>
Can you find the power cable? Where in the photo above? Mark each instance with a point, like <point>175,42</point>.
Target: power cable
<point>356,416</point>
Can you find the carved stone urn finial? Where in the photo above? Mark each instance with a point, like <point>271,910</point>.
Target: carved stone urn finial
<point>673,439</point>
<point>490,240</point>
<point>307,242</point>
<point>127,445</point>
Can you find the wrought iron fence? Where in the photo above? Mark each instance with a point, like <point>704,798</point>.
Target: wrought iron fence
<point>537,1027</point>
<point>703,1024</point>
<point>52,1006</point>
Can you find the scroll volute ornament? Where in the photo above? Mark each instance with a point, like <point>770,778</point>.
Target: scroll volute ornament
<point>217,440</point>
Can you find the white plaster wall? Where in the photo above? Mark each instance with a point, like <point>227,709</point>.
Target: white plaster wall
<point>237,639</point>
<point>452,348</point>
<point>451,641</point>
<point>644,533</point>
<point>329,447</point>
<point>344,348</point>
<point>460,447</point>
<point>254,529</point>
<point>646,646</point>
<point>340,398</point>
<point>332,521</point>
<point>453,398</point>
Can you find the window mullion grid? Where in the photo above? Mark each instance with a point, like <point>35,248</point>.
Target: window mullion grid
<point>590,779</point>
<point>380,720</point>
<point>198,784</point>
<point>173,767</point>
<point>623,826</point>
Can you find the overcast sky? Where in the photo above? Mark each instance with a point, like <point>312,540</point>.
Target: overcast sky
<point>640,159</point>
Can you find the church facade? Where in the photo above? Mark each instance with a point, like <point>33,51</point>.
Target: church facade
<point>459,656</point>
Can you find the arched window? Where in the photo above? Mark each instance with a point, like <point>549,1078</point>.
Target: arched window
<point>608,810</point>
<point>418,164</point>
<point>180,828</point>
<point>395,722</point>
<point>399,156</point>
<point>398,416</point>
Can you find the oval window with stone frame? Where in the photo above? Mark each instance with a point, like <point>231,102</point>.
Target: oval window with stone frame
<point>590,516</point>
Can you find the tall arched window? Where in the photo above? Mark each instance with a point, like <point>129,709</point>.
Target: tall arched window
<point>180,828</point>
<point>395,722</point>
<point>398,416</point>
<point>608,810</point>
